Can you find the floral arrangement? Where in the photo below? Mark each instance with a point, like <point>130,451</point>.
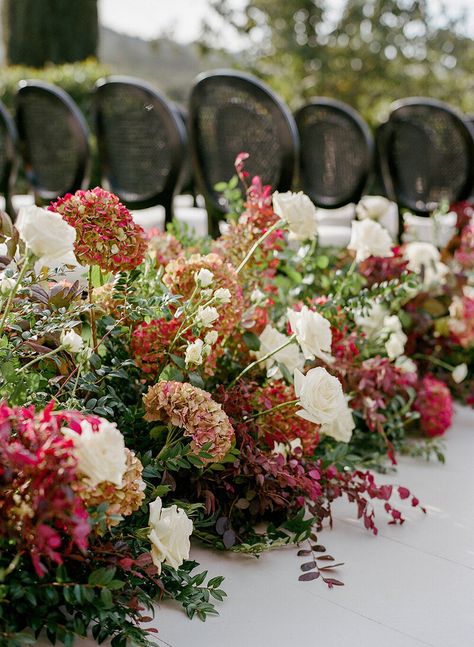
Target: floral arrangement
<point>254,380</point>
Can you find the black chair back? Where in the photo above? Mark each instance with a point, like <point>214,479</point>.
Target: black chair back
<point>53,139</point>
<point>142,142</point>
<point>231,112</point>
<point>426,154</point>
<point>336,152</point>
<point>8,158</point>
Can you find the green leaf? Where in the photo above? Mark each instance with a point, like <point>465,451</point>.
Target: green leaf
<point>251,340</point>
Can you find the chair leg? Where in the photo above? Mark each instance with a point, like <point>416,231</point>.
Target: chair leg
<point>401,225</point>
<point>168,206</point>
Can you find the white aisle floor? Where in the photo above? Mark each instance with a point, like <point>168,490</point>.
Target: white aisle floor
<point>409,586</point>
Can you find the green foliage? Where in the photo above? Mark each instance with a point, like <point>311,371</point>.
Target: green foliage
<point>37,32</point>
<point>376,52</point>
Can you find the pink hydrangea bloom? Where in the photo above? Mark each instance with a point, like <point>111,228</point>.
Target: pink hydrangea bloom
<point>435,406</point>
<point>193,410</point>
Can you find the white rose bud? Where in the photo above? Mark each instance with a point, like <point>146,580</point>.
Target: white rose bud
<point>71,341</point>
<point>295,444</point>
<point>100,454</point>
<point>373,207</point>
<point>459,373</point>
<point>6,285</point>
<point>297,210</point>
<point>313,333</point>
<point>290,356</point>
<point>257,296</point>
<point>406,364</point>
<point>170,530</point>
<point>223,295</point>
<point>395,344</point>
<point>280,448</point>
<point>425,258</point>
<point>204,278</point>
<point>211,337</point>
<point>193,353</point>
<point>47,236</point>
<point>206,316</point>
<point>372,322</point>
<point>368,238</point>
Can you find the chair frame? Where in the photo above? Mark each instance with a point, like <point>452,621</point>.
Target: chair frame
<point>289,140</point>
<point>355,117</point>
<point>7,180</point>
<point>386,131</point>
<point>178,148</point>
<point>79,129</point>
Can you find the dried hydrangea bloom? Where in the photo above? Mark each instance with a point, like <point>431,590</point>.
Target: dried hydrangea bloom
<point>106,234</point>
<point>193,410</point>
<point>180,274</point>
<point>123,500</point>
<point>149,344</point>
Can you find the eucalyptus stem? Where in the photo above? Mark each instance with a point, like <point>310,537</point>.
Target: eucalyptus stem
<point>257,244</point>
<point>51,353</point>
<point>12,294</point>
<point>264,358</point>
<point>435,361</point>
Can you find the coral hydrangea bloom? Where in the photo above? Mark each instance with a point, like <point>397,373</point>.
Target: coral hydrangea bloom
<point>193,410</point>
<point>180,274</point>
<point>435,406</point>
<point>150,342</point>
<point>164,246</point>
<point>106,234</point>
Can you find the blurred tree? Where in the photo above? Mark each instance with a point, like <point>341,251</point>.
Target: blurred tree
<point>37,32</point>
<point>373,52</point>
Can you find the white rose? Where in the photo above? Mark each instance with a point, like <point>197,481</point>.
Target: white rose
<point>204,278</point>
<point>406,364</point>
<point>313,333</point>
<point>320,395</point>
<point>206,294</point>
<point>206,316</point>
<point>211,337</point>
<point>298,212</point>
<point>280,448</point>
<point>425,258</point>
<point>7,283</point>
<point>290,356</point>
<point>193,353</point>
<point>223,295</point>
<point>372,322</point>
<point>170,530</point>
<point>368,238</point>
<point>395,343</point>
<point>100,454</point>
<point>373,207</point>
<point>71,341</point>
<point>295,444</point>
<point>459,373</point>
<point>47,235</point>
<point>341,427</point>
<point>257,296</point>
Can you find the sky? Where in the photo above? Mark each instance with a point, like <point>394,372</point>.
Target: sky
<point>150,18</point>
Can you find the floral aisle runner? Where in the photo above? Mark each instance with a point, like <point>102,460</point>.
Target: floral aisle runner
<point>232,390</point>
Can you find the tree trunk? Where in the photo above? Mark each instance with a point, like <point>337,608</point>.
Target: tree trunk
<point>37,32</point>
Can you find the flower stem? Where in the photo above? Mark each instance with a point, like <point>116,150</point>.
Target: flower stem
<point>91,311</point>
<point>264,358</point>
<point>55,351</point>
<point>257,244</point>
<point>435,361</point>
<point>12,294</point>
<point>282,405</point>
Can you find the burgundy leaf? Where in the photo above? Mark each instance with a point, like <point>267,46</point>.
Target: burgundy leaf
<point>332,582</point>
<point>318,548</point>
<point>307,577</point>
<point>326,558</point>
<point>308,566</point>
<point>330,566</point>
<point>303,553</point>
